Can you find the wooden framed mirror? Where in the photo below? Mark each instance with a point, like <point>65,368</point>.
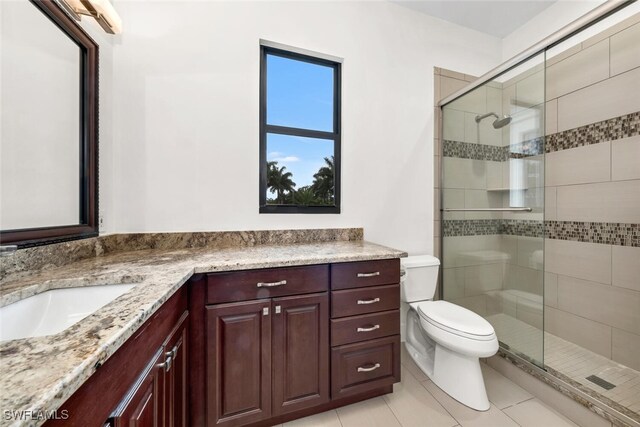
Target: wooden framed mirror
<point>49,126</point>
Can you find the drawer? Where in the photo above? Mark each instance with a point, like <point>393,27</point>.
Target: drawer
<point>365,273</point>
<point>350,302</point>
<point>364,327</point>
<point>273,282</point>
<point>368,365</point>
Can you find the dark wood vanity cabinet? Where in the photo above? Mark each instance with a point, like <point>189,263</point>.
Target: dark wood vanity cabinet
<point>143,405</point>
<point>267,357</point>
<point>159,396</point>
<point>278,344</point>
<point>365,326</point>
<point>252,348</point>
<point>144,383</point>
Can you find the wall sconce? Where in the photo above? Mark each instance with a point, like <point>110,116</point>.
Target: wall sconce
<point>101,10</point>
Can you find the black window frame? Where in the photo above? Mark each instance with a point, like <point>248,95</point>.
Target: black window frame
<point>266,128</point>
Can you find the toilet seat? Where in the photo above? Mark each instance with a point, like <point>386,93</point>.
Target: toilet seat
<point>456,320</point>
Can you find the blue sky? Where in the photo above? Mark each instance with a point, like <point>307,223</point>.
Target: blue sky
<point>299,94</point>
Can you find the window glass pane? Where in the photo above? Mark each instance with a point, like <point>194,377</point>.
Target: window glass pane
<point>300,171</point>
<point>299,94</point>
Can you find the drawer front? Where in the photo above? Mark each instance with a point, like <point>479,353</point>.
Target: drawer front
<point>350,302</point>
<point>364,327</point>
<point>356,368</point>
<point>365,273</point>
<point>267,283</point>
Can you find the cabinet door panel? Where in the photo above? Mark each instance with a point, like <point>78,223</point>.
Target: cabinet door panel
<point>238,363</point>
<point>300,352</point>
<point>143,406</point>
<point>176,347</point>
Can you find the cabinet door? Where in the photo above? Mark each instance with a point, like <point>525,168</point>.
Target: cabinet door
<point>143,405</point>
<point>238,353</point>
<point>176,356</point>
<point>300,353</point>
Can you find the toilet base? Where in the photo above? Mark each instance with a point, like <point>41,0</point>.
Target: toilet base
<point>457,374</point>
<point>460,377</point>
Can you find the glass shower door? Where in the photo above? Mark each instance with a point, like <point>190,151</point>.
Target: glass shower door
<point>493,205</point>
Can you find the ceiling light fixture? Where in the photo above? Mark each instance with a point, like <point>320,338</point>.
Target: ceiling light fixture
<point>101,10</point>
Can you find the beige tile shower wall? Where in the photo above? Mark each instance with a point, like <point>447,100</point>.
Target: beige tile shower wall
<point>446,82</point>
<point>592,290</point>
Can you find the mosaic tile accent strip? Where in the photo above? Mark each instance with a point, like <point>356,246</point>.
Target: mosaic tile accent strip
<point>467,150</point>
<point>532,147</point>
<point>606,130</point>
<point>608,233</point>
<point>521,227</point>
<point>470,227</point>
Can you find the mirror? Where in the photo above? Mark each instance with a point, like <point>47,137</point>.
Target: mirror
<point>48,133</point>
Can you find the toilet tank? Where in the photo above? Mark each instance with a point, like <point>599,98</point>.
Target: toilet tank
<point>420,277</point>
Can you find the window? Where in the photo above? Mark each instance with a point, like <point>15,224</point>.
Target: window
<point>299,133</point>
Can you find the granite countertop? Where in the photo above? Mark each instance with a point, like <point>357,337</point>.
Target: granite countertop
<point>39,374</point>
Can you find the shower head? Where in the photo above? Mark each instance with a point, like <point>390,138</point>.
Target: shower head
<point>498,122</point>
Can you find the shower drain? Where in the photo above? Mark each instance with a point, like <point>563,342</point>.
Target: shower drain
<point>599,381</point>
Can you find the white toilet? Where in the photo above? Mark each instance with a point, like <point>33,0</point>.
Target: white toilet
<point>444,339</point>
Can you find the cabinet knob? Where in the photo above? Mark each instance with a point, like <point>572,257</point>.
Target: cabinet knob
<point>375,273</point>
<point>369,369</point>
<point>369,329</point>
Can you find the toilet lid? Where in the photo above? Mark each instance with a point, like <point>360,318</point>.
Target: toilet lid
<point>455,319</point>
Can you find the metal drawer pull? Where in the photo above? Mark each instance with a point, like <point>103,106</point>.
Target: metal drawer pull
<point>373,368</point>
<point>373,328</point>
<point>271,284</point>
<point>375,273</point>
<point>369,301</point>
<point>172,353</point>
<point>166,365</point>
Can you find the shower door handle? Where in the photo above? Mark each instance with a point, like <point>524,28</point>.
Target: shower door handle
<point>487,209</point>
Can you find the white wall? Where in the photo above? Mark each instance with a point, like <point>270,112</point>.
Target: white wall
<point>544,24</point>
<point>186,112</point>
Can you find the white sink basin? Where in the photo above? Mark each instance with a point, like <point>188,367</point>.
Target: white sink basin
<point>54,311</point>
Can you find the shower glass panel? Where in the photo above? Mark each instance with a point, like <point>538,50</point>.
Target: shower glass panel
<point>493,205</point>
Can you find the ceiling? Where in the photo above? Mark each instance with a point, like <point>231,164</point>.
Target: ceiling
<point>497,18</point>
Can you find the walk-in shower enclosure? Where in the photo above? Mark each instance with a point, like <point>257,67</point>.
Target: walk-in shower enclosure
<point>540,205</point>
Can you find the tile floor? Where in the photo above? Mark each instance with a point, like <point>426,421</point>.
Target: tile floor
<point>573,361</point>
<point>417,401</point>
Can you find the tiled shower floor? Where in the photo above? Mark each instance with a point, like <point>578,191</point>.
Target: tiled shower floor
<point>570,361</point>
